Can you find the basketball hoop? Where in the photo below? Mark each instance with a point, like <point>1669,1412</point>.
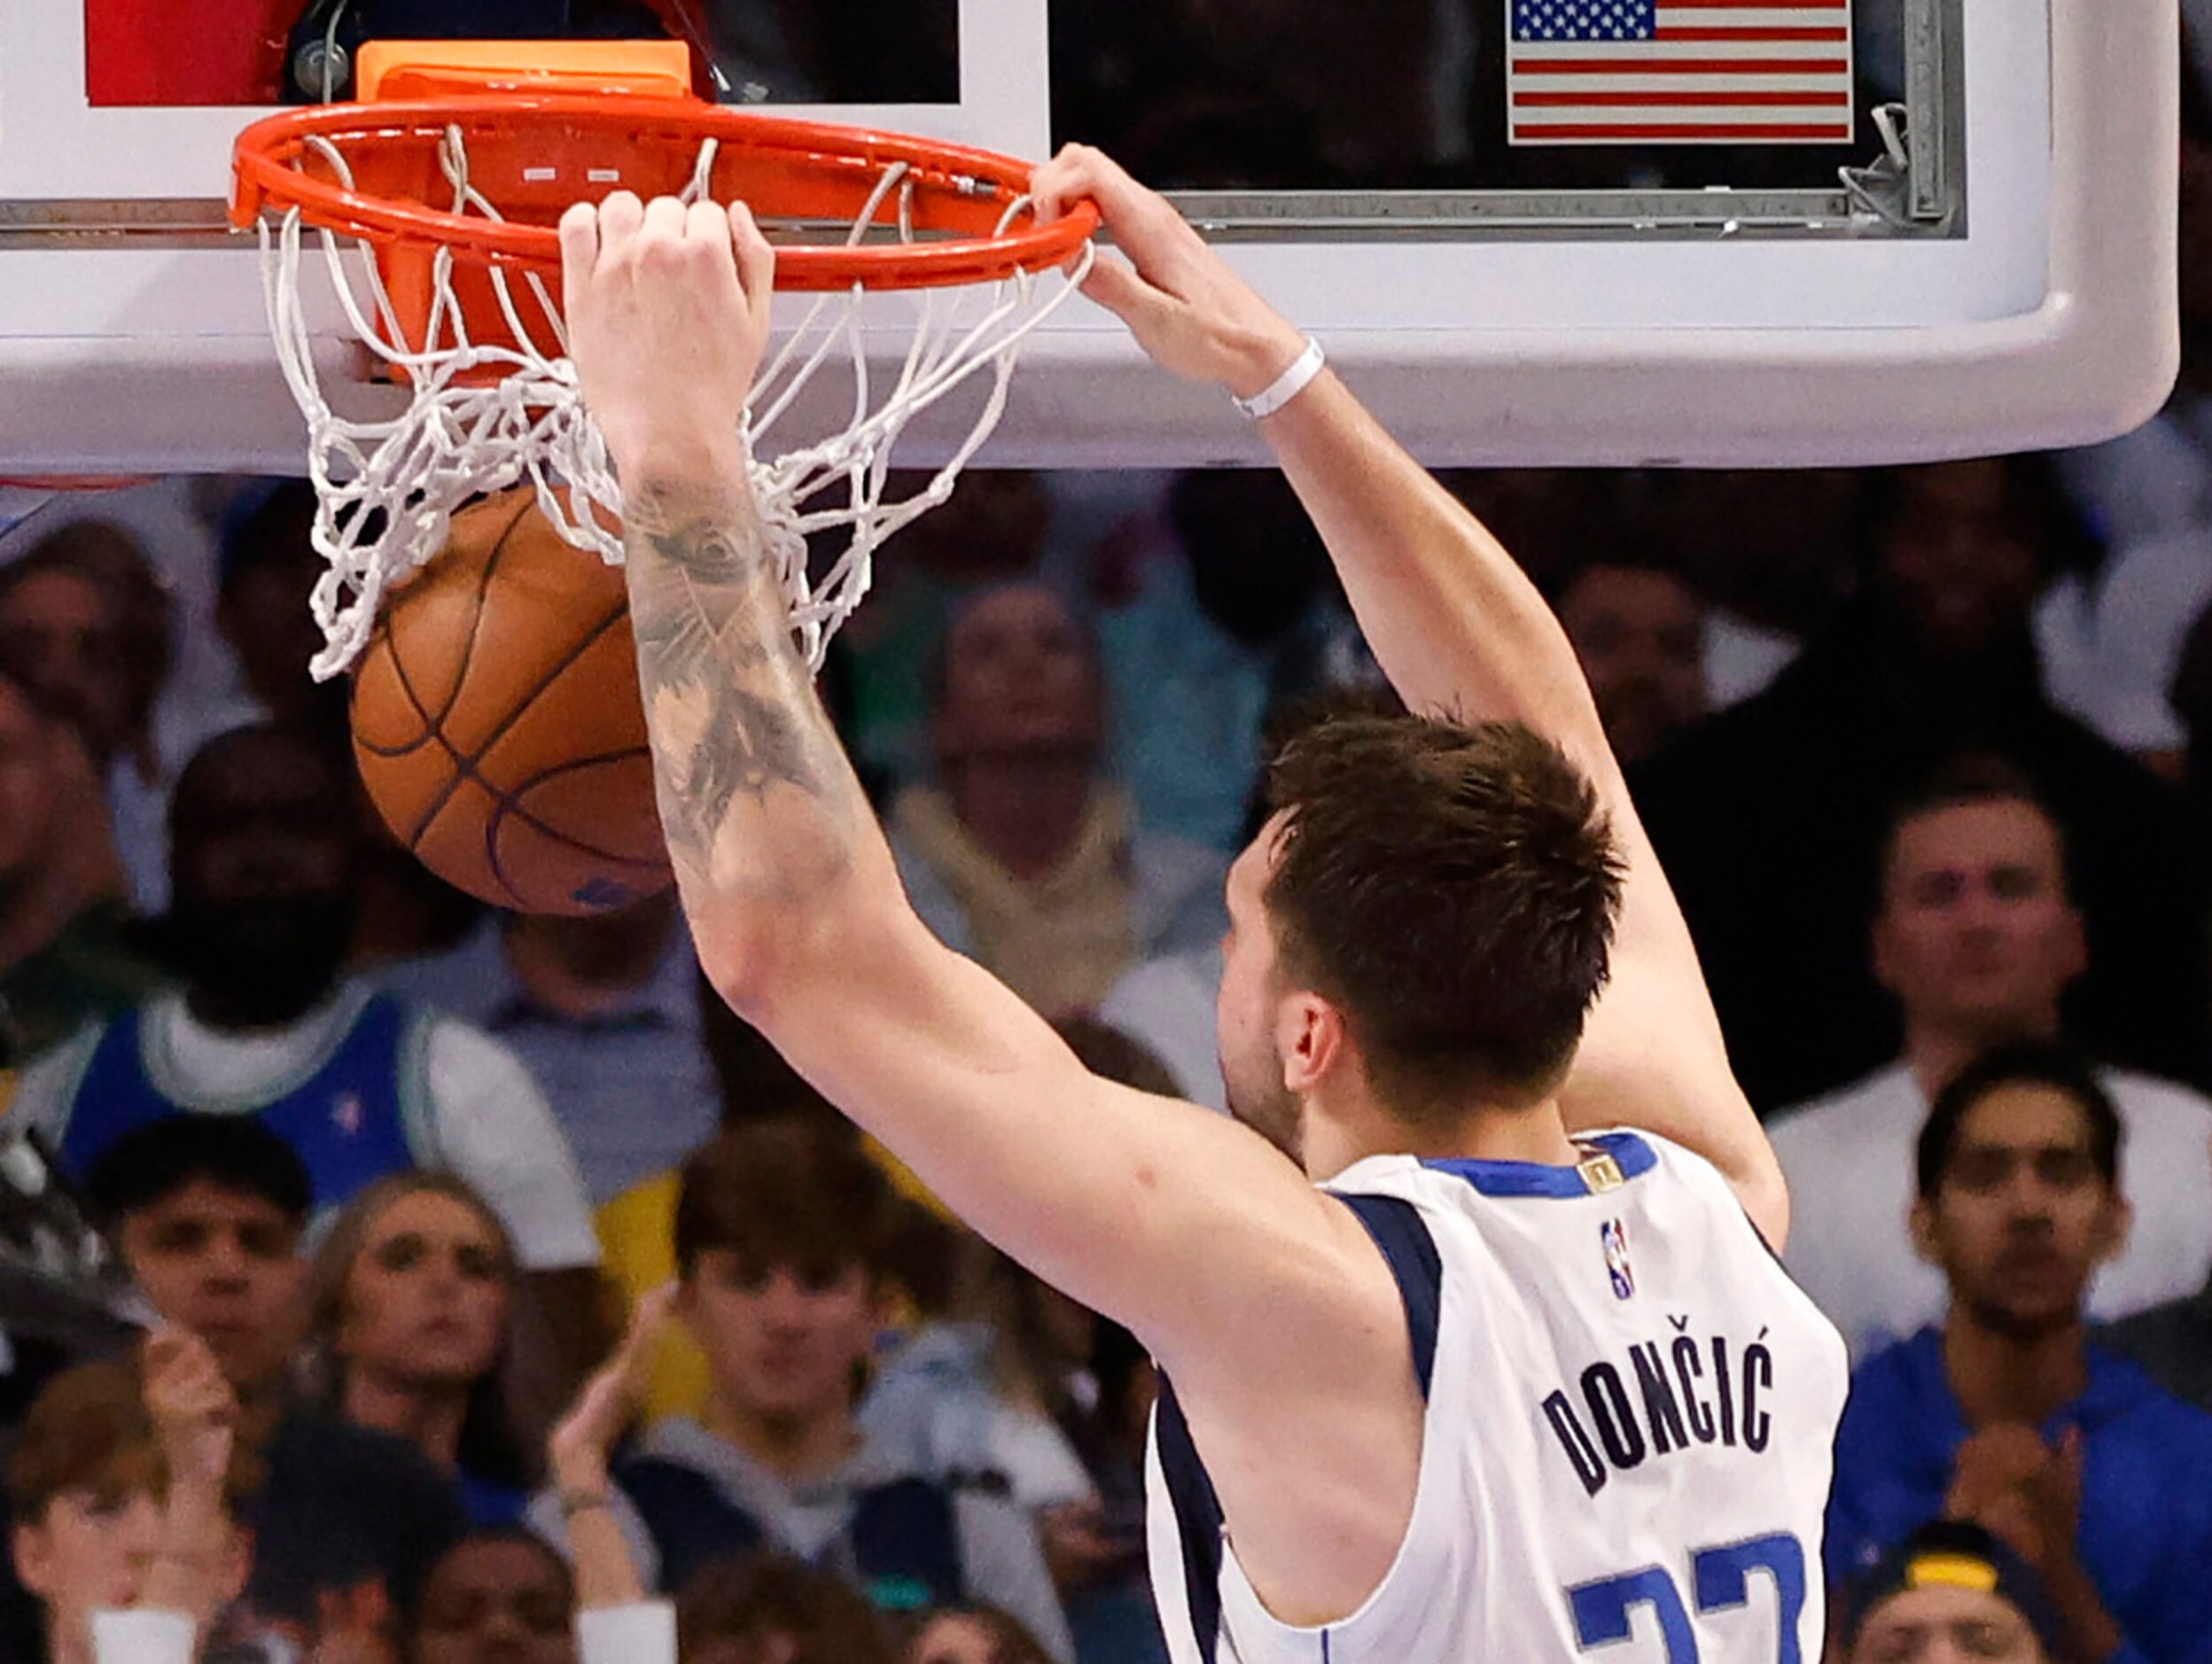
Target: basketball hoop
<point>437,220</point>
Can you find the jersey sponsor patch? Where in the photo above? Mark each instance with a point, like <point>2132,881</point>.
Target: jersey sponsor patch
<point>1613,1237</point>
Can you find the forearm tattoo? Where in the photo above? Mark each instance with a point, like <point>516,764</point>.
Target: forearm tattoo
<point>756,796</point>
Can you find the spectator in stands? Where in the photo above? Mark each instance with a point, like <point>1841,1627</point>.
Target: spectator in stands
<point>411,1294</point>
<point>66,953</point>
<point>267,570</point>
<point>84,624</point>
<point>782,1233</point>
<point>208,1213</point>
<point>1950,1591</point>
<point>125,1490</point>
<point>1009,1386</point>
<point>768,1606</point>
<point>1022,854</point>
<point>1773,553</point>
<point>1639,629</point>
<point>1026,1398</point>
<point>1214,616</point>
<point>758,1608</point>
<point>1773,811</point>
<point>2006,1416</point>
<point>499,1594</point>
<point>604,1011</point>
<point>993,530</point>
<point>1977,938</point>
<point>638,1228</point>
<point>973,1635</point>
<point>2173,1343</point>
<point>361,1084</point>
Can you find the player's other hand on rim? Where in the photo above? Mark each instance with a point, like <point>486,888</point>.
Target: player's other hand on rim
<point>668,312</point>
<point>1182,301</point>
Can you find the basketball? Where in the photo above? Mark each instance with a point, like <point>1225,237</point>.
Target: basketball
<point>497,722</point>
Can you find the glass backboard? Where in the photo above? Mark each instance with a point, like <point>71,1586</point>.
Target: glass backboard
<point>1565,231</point>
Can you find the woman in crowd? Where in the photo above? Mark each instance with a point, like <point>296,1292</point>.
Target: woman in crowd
<point>973,1635</point>
<point>411,1294</point>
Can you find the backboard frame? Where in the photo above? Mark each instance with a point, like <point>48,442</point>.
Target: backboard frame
<point>132,336</point>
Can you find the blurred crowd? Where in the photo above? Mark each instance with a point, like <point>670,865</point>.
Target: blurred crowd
<point>1923,753</point>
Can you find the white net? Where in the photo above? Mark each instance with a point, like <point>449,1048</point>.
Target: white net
<point>484,416</point>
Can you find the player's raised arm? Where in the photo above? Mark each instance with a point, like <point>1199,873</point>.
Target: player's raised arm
<point>1181,1225</point>
<point>1459,630</point>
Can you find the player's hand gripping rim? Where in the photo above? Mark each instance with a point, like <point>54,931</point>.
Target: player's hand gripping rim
<point>1187,308</point>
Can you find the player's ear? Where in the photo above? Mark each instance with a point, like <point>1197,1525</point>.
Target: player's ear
<point>1310,1038</point>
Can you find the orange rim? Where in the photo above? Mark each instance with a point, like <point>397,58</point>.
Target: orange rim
<point>534,153</point>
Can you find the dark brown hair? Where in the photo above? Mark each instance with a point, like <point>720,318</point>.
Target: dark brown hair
<point>1959,781</point>
<point>763,1598</point>
<point>1452,889</point>
<point>2028,1062</point>
<point>786,1192</point>
<point>89,1430</point>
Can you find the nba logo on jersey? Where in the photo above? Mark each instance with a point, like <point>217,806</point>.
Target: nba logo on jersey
<point>1613,1236</point>
<point>346,1115</point>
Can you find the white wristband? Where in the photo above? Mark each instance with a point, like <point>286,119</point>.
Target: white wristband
<point>1286,386</point>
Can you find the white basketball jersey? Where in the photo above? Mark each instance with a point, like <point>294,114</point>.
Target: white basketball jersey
<point>1632,1412</point>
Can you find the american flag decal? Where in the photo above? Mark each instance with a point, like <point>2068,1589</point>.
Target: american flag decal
<point>1679,71</point>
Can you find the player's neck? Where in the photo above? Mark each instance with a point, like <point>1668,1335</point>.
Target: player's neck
<point>1024,809</point>
<point>2002,1374</point>
<point>796,1447</point>
<point>1935,1052</point>
<point>1336,1140</point>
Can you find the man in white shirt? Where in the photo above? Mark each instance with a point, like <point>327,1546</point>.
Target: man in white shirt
<point>1978,939</point>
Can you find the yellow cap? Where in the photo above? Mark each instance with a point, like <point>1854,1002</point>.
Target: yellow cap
<point>1952,1571</point>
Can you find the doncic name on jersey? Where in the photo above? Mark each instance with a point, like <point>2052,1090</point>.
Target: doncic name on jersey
<point>1668,1395</point>
<point>1688,1390</point>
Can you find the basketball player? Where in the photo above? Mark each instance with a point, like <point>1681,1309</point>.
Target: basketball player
<point>1510,1386</point>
